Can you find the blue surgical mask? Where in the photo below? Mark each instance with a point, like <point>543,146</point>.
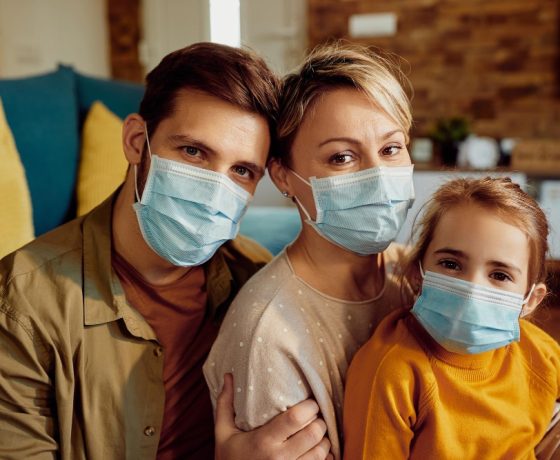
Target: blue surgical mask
<point>361,211</point>
<point>468,318</point>
<point>186,213</point>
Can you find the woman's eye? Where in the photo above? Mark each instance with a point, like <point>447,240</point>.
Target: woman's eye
<point>500,276</point>
<point>341,158</point>
<point>191,151</point>
<point>450,265</point>
<point>391,150</point>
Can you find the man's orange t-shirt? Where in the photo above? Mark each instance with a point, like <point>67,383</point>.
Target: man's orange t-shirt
<point>178,315</point>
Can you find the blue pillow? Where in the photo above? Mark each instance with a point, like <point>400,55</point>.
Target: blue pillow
<point>121,98</point>
<point>42,113</point>
<point>272,226</point>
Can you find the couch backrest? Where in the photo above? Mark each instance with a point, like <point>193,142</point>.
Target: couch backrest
<point>45,113</point>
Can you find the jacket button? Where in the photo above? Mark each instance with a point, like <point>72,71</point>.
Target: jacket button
<point>149,431</point>
<point>158,351</point>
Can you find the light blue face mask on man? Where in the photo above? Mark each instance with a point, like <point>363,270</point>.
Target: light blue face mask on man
<point>361,211</point>
<point>468,318</point>
<point>186,213</point>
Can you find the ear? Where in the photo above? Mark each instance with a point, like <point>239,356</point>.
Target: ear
<point>133,138</point>
<point>279,176</point>
<point>536,298</point>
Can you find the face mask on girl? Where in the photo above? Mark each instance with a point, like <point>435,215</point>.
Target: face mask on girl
<point>186,213</point>
<point>362,211</point>
<point>468,318</point>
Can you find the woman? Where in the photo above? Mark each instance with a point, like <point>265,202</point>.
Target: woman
<point>341,156</point>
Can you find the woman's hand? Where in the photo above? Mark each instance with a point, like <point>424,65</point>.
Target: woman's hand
<point>297,433</point>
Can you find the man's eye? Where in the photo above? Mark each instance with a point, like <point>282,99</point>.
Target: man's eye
<point>391,150</point>
<point>500,276</point>
<point>191,151</point>
<point>242,171</point>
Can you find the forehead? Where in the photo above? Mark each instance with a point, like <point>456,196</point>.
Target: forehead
<point>482,233</point>
<point>224,127</point>
<point>343,112</point>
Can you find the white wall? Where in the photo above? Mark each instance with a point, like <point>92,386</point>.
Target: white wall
<point>170,25</point>
<point>35,35</point>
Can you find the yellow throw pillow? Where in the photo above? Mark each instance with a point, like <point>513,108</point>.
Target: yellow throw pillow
<point>102,161</point>
<point>16,215</point>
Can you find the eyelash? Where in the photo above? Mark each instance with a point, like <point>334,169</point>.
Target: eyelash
<point>341,155</point>
<point>389,147</point>
<point>456,266</point>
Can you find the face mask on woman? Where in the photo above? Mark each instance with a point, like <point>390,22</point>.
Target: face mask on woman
<point>186,213</point>
<point>362,211</point>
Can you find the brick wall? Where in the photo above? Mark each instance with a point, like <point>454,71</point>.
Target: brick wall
<point>496,62</point>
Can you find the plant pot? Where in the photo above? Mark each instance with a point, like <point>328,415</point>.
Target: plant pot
<point>449,151</point>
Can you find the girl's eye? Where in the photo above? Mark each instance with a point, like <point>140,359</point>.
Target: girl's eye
<point>191,151</point>
<point>391,150</point>
<point>450,265</point>
<point>341,158</point>
<point>500,276</point>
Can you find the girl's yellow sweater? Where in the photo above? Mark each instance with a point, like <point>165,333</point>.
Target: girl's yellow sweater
<point>407,397</point>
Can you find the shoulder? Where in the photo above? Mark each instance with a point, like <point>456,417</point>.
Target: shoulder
<point>392,353</point>
<point>260,302</point>
<point>393,362</point>
<point>537,341</point>
<point>246,248</point>
<point>57,251</point>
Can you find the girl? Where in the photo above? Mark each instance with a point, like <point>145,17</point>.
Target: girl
<point>460,375</point>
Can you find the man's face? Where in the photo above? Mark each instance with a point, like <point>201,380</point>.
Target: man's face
<point>209,133</point>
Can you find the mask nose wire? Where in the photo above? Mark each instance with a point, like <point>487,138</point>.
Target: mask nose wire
<point>136,166</point>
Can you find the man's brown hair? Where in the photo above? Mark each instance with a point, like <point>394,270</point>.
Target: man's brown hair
<point>234,75</point>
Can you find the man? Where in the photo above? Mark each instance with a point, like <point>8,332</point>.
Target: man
<point>105,322</point>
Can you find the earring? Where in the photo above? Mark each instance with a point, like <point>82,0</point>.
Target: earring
<point>285,194</point>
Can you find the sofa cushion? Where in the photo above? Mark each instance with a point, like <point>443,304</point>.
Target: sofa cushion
<point>42,113</point>
<point>102,161</point>
<point>121,98</point>
<point>16,223</point>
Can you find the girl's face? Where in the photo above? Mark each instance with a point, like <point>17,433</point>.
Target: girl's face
<point>342,132</point>
<point>474,244</point>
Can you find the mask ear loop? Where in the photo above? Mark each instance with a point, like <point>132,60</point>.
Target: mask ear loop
<point>421,269</point>
<point>526,299</point>
<point>136,166</point>
<point>296,198</point>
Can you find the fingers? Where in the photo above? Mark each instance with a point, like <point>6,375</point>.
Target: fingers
<point>319,452</point>
<point>225,415</point>
<point>293,420</point>
<point>309,443</point>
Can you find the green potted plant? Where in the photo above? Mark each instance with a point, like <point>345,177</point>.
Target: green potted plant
<point>447,134</point>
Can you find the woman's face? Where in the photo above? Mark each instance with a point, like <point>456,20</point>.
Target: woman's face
<point>343,132</point>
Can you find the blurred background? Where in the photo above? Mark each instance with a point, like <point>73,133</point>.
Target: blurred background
<point>485,73</point>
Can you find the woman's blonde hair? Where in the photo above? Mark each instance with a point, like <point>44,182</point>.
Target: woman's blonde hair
<point>339,65</point>
<point>500,195</point>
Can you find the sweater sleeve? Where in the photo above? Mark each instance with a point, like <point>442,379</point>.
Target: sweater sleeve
<point>258,347</point>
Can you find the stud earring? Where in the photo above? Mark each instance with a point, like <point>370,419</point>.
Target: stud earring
<point>285,194</point>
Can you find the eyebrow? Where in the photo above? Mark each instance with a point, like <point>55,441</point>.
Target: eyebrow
<point>182,139</point>
<point>351,140</point>
<point>494,263</point>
